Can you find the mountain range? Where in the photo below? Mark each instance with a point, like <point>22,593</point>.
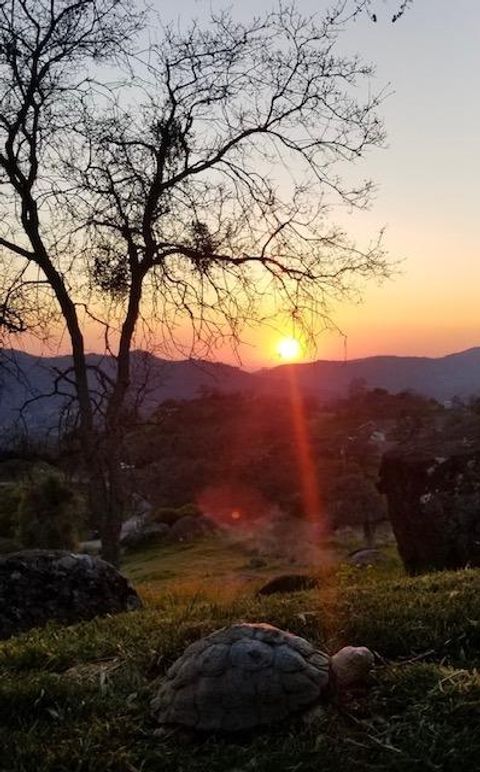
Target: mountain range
<point>26,380</point>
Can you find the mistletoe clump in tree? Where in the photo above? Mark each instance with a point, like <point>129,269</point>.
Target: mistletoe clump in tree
<point>184,179</point>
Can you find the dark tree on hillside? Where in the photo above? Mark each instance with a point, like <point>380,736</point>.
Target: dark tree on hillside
<point>355,501</point>
<point>183,182</point>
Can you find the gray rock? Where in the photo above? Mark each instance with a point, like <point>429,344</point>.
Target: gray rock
<point>433,493</point>
<point>39,586</point>
<point>148,533</point>
<point>132,525</point>
<point>366,557</point>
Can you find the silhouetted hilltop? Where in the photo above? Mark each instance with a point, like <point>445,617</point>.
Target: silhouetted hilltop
<point>441,378</point>
<point>38,382</point>
<point>33,393</point>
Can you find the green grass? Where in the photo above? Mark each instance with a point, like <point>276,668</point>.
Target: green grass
<point>78,698</point>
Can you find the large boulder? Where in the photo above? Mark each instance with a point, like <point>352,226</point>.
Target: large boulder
<point>148,534</point>
<point>189,528</point>
<point>433,494</point>
<point>363,558</point>
<point>38,586</point>
<point>132,525</point>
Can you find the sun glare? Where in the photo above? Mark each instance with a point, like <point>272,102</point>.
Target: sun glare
<point>289,348</point>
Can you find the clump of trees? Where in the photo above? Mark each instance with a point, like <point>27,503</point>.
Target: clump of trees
<point>237,456</point>
<point>141,188</point>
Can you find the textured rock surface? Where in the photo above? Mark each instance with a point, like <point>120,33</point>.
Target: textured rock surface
<point>148,533</point>
<point>433,495</point>
<point>288,583</point>
<point>242,677</point>
<point>363,558</point>
<point>38,586</point>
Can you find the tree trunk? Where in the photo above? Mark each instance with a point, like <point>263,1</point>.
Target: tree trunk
<point>115,497</point>
<point>107,498</point>
<point>110,537</point>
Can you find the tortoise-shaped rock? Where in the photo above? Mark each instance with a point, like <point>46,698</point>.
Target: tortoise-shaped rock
<point>251,675</point>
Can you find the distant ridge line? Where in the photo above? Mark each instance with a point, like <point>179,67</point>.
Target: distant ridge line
<point>456,374</point>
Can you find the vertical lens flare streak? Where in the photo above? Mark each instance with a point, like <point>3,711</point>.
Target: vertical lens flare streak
<point>306,463</point>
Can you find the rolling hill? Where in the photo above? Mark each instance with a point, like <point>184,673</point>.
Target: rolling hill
<point>34,383</point>
<point>441,378</point>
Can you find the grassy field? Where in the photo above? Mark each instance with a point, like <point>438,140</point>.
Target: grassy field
<point>78,698</point>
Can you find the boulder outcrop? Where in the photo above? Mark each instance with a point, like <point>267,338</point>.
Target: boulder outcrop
<point>433,494</point>
<point>39,586</point>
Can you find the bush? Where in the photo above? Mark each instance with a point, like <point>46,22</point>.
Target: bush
<point>49,514</point>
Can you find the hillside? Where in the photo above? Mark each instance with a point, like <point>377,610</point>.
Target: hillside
<point>78,698</point>
<point>30,378</point>
<point>441,378</point>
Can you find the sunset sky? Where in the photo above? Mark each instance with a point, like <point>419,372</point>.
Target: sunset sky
<point>427,181</point>
<point>427,184</point>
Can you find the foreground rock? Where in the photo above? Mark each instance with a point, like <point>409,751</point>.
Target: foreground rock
<point>289,583</point>
<point>150,533</point>
<point>363,558</point>
<point>433,493</point>
<point>39,586</point>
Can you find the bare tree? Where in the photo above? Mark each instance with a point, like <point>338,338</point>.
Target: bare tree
<point>192,183</point>
<point>371,7</point>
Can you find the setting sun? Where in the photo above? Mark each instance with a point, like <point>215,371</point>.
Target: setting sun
<point>289,348</point>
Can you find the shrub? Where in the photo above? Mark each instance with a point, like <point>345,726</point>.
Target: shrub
<point>49,514</point>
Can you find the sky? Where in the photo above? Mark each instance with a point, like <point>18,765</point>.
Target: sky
<point>427,179</point>
<point>427,195</point>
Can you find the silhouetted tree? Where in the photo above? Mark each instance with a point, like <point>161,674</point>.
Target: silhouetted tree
<point>396,11</point>
<point>156,191</point>
<point>356,502</point>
